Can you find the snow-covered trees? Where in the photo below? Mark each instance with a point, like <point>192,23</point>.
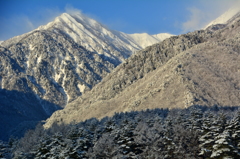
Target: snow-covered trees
<point>220,137</point>
<point>196,132</point>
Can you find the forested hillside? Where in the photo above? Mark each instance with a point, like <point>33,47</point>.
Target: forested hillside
<point>195,132</point>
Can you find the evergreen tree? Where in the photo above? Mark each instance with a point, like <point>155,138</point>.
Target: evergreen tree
<point>211,131</point>
<point>235,127</point>
<point>223,147</point>
<point>195,118</point>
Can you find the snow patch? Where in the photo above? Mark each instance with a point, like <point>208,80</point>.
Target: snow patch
<point>28,64</point>
<point>81,87</point>
<point>57,76</point>
<point>39,59</point>
<point>31,47</point>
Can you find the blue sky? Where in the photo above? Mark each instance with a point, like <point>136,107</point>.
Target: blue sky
<point>129,16</point>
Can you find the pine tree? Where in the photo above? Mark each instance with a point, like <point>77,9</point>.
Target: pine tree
<point>168,148</point>
<point>206,144</point>
<point>212,127</point>
<point>223,147</point>
<point>227,144</point>
<point>235,127</point>
<point>195,118</point>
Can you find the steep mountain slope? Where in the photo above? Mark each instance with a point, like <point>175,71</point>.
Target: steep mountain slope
<point>54,64</point>
<point>196,68</point>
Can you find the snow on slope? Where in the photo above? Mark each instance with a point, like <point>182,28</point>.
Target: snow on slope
<point>93,36</point>
<point>225,17</point>
<point>162,36</point>
<point>96,37</point>
<point>1,42</point>
<point>145,39</point>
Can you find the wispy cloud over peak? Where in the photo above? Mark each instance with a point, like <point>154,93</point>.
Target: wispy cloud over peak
<point>199,17</point>
<point>71,10</point>
<point>196,20</point>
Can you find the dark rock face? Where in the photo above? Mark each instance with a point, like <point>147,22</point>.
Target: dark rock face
<point>21,111</point>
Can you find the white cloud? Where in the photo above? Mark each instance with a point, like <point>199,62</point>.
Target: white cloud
<point>28,23</point>
<point>206,11</point>
<point>45,16</point>
<point>195,20</point>
<point>20,24</point>
<point>71,10</point>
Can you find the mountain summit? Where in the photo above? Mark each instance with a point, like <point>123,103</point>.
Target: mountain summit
<point>98,38</point>
<point>93,36</point>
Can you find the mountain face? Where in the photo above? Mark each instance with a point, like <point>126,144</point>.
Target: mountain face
<point>198,68</point>
<point>44,70</point>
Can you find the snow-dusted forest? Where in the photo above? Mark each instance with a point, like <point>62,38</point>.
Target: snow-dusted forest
<point>195,132</point>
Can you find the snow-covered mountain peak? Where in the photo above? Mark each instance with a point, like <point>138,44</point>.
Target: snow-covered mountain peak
<point>78,18</point>
<point>60,21</point>
<point>86,20</point>
<point>97,38</point>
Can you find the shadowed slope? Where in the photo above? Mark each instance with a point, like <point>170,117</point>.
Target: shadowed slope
<point>19,112</point>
